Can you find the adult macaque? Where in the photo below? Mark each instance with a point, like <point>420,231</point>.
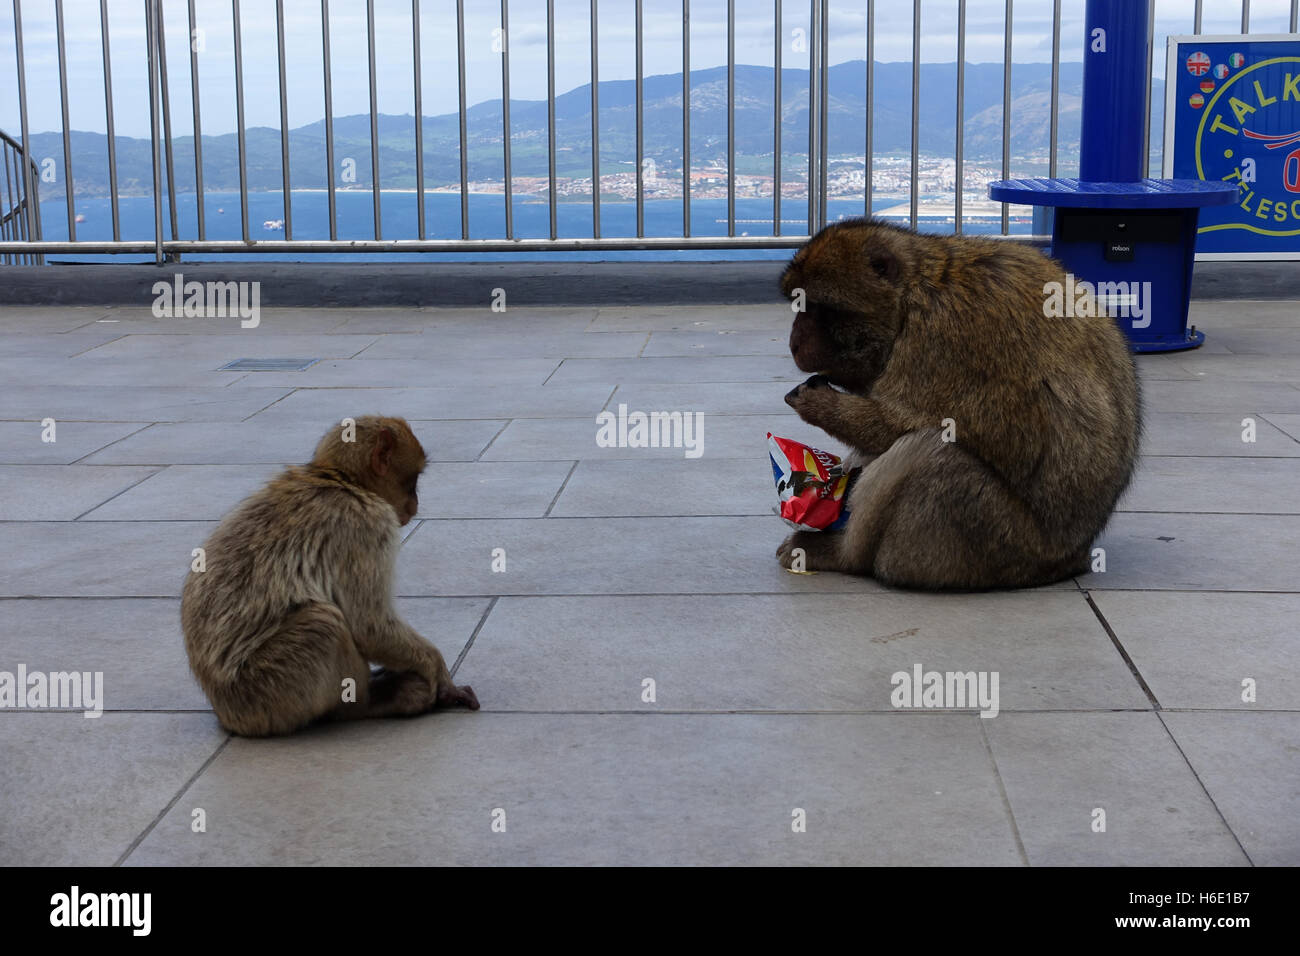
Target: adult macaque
<point>296,599</point>
<point>1004,438</point>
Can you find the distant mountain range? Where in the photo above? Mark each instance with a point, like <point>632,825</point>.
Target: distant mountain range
<point>1030,112</point>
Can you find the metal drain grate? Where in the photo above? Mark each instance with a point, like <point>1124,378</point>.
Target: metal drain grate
<point>268,365</point>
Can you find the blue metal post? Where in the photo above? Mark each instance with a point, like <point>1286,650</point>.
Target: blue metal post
<point>1115,52</point>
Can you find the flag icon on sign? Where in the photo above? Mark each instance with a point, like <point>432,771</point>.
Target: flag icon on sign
<point>1196,101</point>
<point>1221,71</point>
<point>1198,64</point>
<point>1207,86</point>
<point>1236,60</point>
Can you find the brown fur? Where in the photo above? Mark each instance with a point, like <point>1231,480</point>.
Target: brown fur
<point>913,329</point>
<point>297,593</point>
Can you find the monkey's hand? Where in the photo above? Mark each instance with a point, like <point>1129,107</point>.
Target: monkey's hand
<point>866,425</point>
<point>814,400</point>
<point>449,695</point>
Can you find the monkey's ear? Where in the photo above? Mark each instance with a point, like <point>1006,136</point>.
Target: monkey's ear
<point>381,453</point>
<point>885,264</point>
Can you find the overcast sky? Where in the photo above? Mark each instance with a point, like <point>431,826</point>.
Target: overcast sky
<point>1032,42</point>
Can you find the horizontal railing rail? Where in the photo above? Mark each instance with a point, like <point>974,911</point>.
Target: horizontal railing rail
<point>808,21</point>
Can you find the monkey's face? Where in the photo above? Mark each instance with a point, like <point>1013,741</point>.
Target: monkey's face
<point>400,485</point>
<point>848,280</point>
<point>396,462</point>
<point>406,501</point>
<point>847,347</point>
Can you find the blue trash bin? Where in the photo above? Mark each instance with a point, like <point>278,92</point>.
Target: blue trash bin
<point>1130,240</point>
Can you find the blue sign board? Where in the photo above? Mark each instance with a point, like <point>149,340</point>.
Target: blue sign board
<point>1232,114</point>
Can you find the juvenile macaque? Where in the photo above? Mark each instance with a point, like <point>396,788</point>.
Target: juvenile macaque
<point>995,441</point>
<point>296,599</point>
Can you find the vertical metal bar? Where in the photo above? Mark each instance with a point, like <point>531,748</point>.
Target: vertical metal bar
<point>686,115</point>
<point>813,46</point>
<point>163,85</point>
<point>731,117</point>
<point>198,126</point>
<point>870,95</point>
<point>329,113</point>
<point>418,83</point>
<point>108,117</point>
<point>1056,89</point>
<point>914,197</point>
<point>464,156</point>
<point>24,204</point>
<point>550,113</point>
<point>1295,16</point>
<point>17,198</point>
<point>67,131</point>
<point>6,230</point>
<point>31,195</point>
<point>595,124</point>
<point>15,190</point>
<point>1146,95</point>
<point>22,220</point>
<point>1245,16</point>
<point>239,121</point>
<point>505,117</point>
<point>778,32</point>
<point>1196,20</point>
<point>823,126</point>
<point>284,121</point>
<point>20,207</point>
<point>1006,113</point>
<point>374,118</point>
<point>9,225</point>
<point>21,223</point>
<point>640,126</point>
<point>961,115</point>
<point>155,133</point>
<point>29,221</point>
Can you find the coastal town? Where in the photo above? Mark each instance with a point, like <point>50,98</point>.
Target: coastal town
<point>846,178</point>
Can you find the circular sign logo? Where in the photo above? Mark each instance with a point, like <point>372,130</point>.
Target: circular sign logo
<point>1249,135</point>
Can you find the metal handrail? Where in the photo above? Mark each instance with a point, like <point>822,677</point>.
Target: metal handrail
<point>20,235</point>
<point>20,218</point>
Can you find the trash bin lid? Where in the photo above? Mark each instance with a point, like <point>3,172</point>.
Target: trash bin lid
<point>1143,194</point>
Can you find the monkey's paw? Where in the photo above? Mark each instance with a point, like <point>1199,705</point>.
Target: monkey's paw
<point>450,695</point>
<point>814,400</point>
<point>803,552</point>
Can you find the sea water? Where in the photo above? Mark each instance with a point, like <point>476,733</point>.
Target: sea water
<point>398,212</point>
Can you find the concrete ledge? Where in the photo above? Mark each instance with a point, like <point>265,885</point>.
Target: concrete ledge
<point>526,283</point>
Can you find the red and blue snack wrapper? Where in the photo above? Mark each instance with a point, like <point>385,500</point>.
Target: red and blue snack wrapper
<point>811,484</point>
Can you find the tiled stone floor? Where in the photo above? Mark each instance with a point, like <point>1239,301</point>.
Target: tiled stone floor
<point>1120,691</point>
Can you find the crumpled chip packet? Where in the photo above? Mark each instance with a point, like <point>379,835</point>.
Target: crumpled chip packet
<point>811,484</point>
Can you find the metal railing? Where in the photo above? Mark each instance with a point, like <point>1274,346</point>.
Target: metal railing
<point>22,235</point>
<point>20,217</point>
